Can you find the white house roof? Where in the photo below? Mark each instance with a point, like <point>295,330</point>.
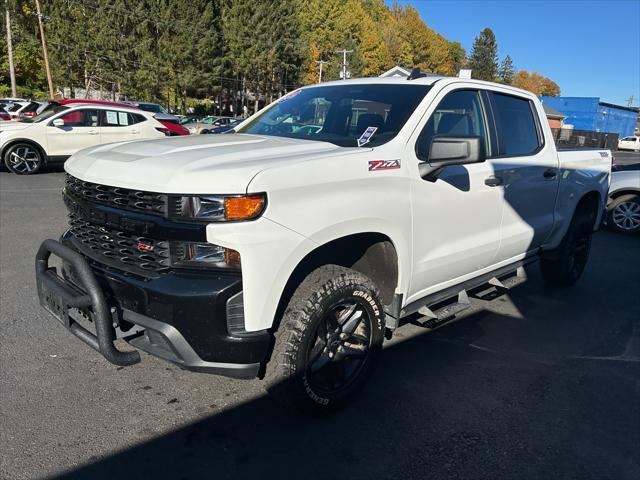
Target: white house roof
<point>397,71</point>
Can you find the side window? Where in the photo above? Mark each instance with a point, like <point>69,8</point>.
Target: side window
<point>516,125</point>
<point>81,118</point>
<point>113,118</point>
<point>459,114</point>
<point>136,118</point>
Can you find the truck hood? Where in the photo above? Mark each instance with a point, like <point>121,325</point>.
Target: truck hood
<point>195,164</point>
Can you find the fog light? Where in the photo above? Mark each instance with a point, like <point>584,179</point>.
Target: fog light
<point>192,254</point>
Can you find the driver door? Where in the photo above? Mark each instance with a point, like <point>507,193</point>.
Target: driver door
<point>80,130</point>
<point>456,218</point>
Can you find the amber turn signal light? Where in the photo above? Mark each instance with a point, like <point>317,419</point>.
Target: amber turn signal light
<point>243,208</point>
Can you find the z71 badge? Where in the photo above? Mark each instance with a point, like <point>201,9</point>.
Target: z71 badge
<point>375,165</point>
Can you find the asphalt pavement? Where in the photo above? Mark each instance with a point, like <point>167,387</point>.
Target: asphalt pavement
<point>539,383</point>
<point>626,157</point>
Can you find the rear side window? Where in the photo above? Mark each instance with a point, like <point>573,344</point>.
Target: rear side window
<point>516,125</point>
<point>136,118</point>
<point>112,118</point>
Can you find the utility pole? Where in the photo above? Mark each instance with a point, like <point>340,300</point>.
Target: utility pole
<point>12,71</point>
<point>630,101</point>
<point>344,62</point>
<point>321,63</point>
<point>44,48</point>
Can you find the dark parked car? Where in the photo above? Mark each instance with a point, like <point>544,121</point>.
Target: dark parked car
<point>170,121</point>
<point>225,128</point>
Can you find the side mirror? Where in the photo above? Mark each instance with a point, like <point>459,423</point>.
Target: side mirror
<point>448,151</point>
<point>58,122</point>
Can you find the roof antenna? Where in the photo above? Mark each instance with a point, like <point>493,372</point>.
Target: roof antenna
<point>416,73</point>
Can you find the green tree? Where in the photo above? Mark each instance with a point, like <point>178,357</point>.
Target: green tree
<point>428,50</point>
<point>458,57</point>
<point>506,72</point>
<point>483,60</point>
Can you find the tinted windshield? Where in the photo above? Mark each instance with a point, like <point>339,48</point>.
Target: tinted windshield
<point>348,115</point>
<point>48,112</point>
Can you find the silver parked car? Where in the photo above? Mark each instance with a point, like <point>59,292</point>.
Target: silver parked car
<point>623,207</point>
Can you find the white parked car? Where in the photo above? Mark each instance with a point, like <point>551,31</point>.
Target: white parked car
<point>15,108</point>
<point>623,209</point>
<point>629,143</point>
<point>28,145</point>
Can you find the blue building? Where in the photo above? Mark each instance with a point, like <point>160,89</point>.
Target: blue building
<point>589,113</point>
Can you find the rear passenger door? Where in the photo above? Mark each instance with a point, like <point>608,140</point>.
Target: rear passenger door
<point>526,168</point>
<point>119,126</point>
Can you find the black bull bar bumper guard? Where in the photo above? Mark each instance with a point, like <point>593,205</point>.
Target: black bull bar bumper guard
<point>58,296</point>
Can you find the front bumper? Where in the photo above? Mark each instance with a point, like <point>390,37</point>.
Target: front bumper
<point>185,318</point>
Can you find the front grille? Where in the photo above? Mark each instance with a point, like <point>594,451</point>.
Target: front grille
<point>135,200</point>
<point>117,247</point>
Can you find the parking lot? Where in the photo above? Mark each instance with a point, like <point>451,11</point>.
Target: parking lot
<point>540,383</point>
<point>627,157</point>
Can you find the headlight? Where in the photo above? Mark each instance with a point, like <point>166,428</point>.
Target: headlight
<point>192,254</point>
<point>221,208</point>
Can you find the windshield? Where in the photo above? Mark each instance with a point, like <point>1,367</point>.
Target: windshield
<point>347,115</point>
<point>48,112</point>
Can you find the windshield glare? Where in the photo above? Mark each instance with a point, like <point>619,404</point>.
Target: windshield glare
<point>340,114</point>
<point>48,112</point>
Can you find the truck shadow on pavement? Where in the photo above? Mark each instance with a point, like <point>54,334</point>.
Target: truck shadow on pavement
<point>550,393</point>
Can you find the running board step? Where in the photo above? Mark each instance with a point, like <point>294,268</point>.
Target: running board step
<point>497,287</point>
<point>434,318</point>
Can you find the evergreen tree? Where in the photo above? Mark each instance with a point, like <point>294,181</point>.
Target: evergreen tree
<point>506,71</point>
<point>233,53</point>
<point>483,61</point>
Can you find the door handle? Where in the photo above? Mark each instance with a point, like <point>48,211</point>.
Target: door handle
<point>493,181</point>
<point>93,132</point>
<point>135,131</point>
<point>550,173</point>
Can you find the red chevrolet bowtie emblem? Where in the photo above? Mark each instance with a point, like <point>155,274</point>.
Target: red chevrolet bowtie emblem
<point>143,247</point>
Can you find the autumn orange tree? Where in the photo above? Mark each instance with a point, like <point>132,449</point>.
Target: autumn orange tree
<point>535,83</point>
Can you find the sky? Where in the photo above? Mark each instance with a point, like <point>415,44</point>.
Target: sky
<point>591,48</point>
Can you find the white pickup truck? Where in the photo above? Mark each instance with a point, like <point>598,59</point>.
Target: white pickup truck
<point>289,249</point>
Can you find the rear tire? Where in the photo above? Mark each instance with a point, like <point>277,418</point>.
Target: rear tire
<point>623,214</point>
<point>564,265</point>
<point>23,159</point>
<point>329,339</point>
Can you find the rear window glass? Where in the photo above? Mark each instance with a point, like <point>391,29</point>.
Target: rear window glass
<point>516,124</point>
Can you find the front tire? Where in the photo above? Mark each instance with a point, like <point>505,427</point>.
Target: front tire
<point>564,265</point>
<point>329,338</point>
<point>623,214</point>
<point>23,159</point>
